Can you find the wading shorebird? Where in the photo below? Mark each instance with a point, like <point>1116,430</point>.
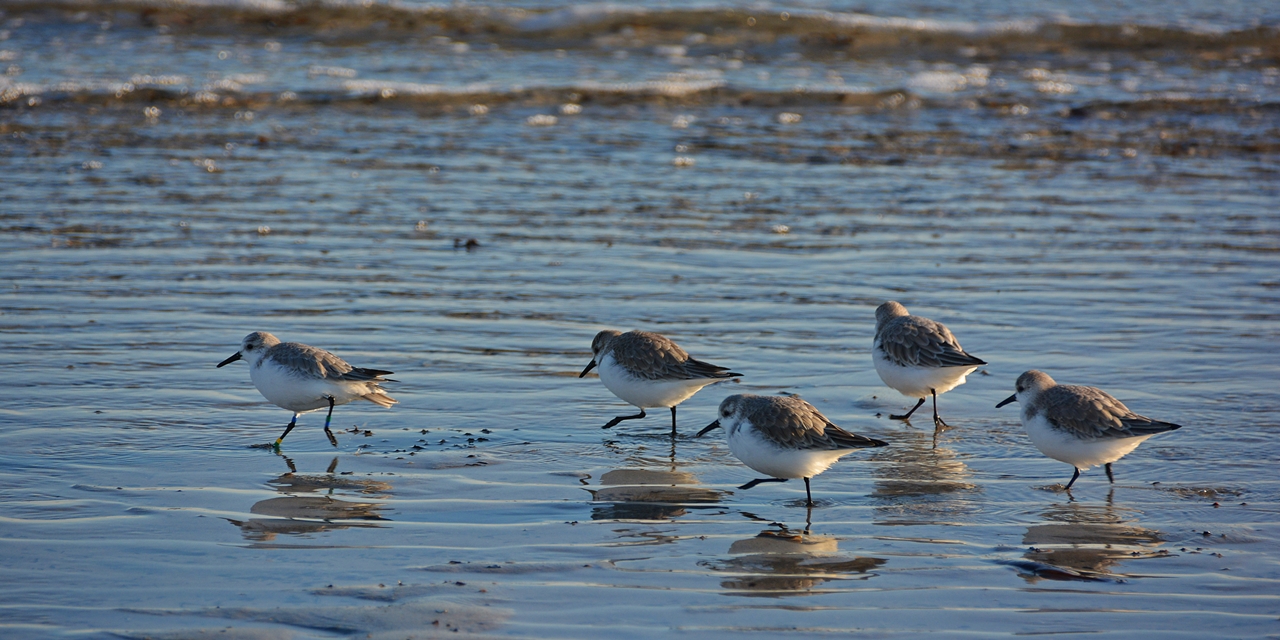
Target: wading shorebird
<point>648,370</point>
<point>784,437</point>
<point>1081,426</point>
<point>918,357</point>
<point>302,378</point>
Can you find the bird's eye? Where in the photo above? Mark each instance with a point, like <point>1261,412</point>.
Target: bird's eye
<point>1020,389</point>
<point>724,413</point>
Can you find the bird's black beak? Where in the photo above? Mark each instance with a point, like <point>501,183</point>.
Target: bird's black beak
<point>235,356</point>
<point>1012,398</point>
<point>713,425</point>
<point>590,366</point>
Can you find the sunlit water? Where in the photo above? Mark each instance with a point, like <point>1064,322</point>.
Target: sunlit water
<point>1100,204</point>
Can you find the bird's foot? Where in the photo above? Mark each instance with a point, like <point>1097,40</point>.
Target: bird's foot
<point>758,481</point>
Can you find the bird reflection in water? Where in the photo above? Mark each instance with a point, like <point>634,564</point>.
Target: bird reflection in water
<point>642,494</point>
<point>922,483</point>
<point>1086,543</point>
<point>648,494</point>
<point>782,562</point>
<point>308,505</point>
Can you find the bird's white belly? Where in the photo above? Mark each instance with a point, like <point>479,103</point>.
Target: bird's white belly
<point>301,394</point>
<point>770,459</point>
<point>916,382</point>
<point>1080,453</point>
<point>646,393</point>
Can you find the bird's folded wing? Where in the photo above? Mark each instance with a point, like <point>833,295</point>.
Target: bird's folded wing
<point>921,342</point>
<point>793,423</point>
<point>1090,413</point>
<point>650,356</point>
<point>699,369</point>
<point>310,361</point>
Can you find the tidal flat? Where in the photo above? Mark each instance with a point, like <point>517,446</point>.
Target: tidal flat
<point>466,195</point>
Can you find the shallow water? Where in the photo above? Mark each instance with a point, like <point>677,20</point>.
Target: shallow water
<point>321,181</point>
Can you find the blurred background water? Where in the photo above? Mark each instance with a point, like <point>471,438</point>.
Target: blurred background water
<point>466,193</point>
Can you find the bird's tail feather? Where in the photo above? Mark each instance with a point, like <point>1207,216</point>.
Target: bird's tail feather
<point>379,398</point>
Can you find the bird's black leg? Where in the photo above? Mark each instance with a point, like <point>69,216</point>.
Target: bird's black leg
<point>907,415</point>
<point>332,440</point>
<point>1073,479</point>
<point>1109,476</point>
<point>759,480</point>
<point>938,424</point>
<point>292,423</point>
<point>621,418</point>
<point>808,494</point>
<point>673,421</point>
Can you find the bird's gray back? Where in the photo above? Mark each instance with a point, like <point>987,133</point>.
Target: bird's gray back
<point>654,356</point>
<point>1089,413</point>
<point>921,342</point>
<point>792,423</point>
<point>309,361</point>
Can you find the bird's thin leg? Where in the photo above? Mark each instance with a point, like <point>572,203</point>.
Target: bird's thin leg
<point>759,480</point>
<point>1073,479</point>
<point>332,440</point>
<point>292,423</point>
<point>808,494</point>
<point>673,421</point>
<point>621,418</point>
<point>1109,476</point>
<point>907,415</point>
<point>938,424</point>
<point>808,519</point>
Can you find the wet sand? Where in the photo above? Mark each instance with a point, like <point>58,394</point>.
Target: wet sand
<point>137,252</point>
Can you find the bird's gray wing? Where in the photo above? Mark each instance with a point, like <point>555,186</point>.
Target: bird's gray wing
<point>309,361</point>
<point>848,440</point>
<point>793,423</point>
<point>1091,413</point>
<point>656,357</point>
<point>698,369</point>
<point>367,375</point>
<point>921,342</point>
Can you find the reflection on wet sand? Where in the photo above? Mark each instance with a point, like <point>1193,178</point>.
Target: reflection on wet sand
<point>1085,543</point>
<point>308,514</point>
<point>642,494</point>
<point>778,563</point>
<point>922,483</point>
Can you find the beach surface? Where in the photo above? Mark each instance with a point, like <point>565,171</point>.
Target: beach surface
<point>465,194</point>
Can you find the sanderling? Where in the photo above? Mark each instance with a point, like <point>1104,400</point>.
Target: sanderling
<point>918,357</point>
<point>784,437</point>
<point>302,378</point>
<point>1081,426</point>
<point>649,370</point>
